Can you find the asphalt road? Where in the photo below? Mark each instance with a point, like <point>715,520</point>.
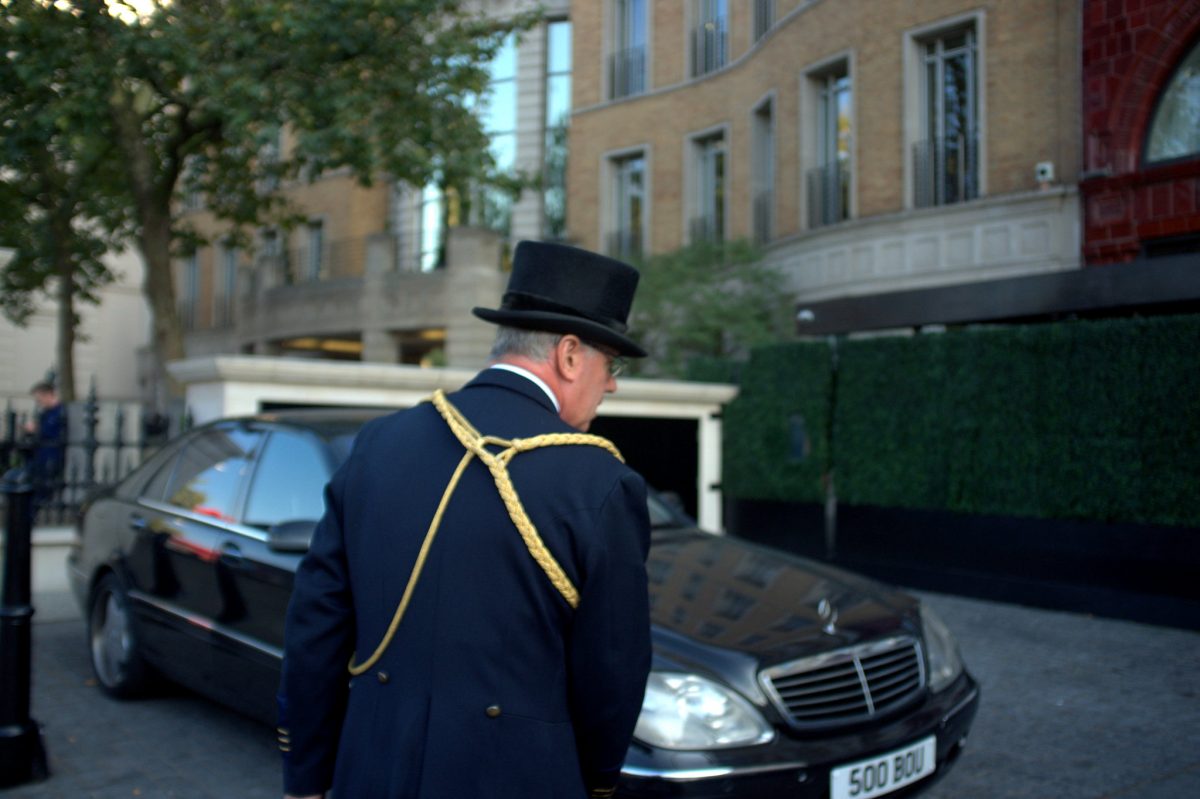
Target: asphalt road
<point>1073,707</point>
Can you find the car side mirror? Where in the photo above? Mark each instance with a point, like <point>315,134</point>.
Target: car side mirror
<point>293,536</point>
<point>673,501</point>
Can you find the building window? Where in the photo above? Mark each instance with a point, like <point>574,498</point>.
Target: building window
<point>498,111</point>
<point>432,228</point>
<point>1175,130</point>
<point>764,172</point>
<point>708,210</point>
<point>558,119</point>
<point>189,292</point>
<point>314,255</point>
<point>709,35</point>
<point>946,159</point>
<point>626,236</point>
<point>828,183</point>
<point>764,17</point>
<point>627,58</point>
<point>227,285</point>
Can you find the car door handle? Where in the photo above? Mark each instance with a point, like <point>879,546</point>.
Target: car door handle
<point>137,523</point>
<point>231,555</point>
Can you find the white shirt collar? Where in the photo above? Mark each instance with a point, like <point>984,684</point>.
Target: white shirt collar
<point>537,381</point>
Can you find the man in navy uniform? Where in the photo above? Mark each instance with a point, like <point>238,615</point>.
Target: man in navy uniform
<point>481,566</point>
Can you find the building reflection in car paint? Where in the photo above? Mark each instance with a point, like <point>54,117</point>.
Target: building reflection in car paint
<point>696,574</point>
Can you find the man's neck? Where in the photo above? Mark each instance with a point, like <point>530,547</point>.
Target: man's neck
<point>534,371</point>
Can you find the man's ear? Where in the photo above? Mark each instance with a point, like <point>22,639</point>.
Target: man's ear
<point>568,357</point>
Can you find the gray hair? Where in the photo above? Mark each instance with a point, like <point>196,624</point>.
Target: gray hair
<point>532,344</point>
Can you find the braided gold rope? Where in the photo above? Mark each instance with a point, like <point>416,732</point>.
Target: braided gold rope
<point>476,446</point>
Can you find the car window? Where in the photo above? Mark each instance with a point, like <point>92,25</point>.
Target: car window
<point>150,482</point>
<point>289,481</point>
<point>211,470</point>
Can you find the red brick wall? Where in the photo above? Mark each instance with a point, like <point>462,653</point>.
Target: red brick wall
<point>1130,51</point>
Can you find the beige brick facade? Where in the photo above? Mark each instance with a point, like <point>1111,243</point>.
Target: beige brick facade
<point>1029,94</point>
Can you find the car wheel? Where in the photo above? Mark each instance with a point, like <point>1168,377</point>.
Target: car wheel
<point>116,660</point>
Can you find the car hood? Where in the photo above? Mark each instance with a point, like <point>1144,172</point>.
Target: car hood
<point>730,608</point>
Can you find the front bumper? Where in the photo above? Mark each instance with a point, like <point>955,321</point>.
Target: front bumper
<point>799,767</point>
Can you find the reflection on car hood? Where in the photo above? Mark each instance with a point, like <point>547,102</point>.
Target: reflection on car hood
<point>729,607</point>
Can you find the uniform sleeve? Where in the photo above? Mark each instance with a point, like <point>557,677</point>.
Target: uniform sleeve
<point>318,642</point>
<point>609,649</point>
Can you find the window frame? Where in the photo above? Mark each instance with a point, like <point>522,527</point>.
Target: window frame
<point>695,150</point>
<point>613,216</point>
<point>1146,162</point>
<point>815,139</point>
<point>914,41</point>
<point>763,165</point>
<point>617,42</point>
<point>699,16</point>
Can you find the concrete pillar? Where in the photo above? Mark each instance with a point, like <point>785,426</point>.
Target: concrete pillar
<point>475,279</point>
<point>379,346</point>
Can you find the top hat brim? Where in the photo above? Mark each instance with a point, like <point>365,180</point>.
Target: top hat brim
<point>551,322</point>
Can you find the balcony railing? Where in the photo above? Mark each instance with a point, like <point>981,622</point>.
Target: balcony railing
<point>764,212</point>
<point>627,72</point>
<point>828,194</point>
<point>945,170</point>
<point>624,244</point>
<point>334,260</point>
<point>706,228</point>
<point>708,46</point>
<point>764,17</point>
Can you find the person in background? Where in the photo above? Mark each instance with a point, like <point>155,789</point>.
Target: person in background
<point>49,428</point>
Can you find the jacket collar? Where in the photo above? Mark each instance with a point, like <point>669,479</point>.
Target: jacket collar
<point>512,381</point>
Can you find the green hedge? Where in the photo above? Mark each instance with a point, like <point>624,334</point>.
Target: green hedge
<point>785,391</point>
<point>1090,420</point>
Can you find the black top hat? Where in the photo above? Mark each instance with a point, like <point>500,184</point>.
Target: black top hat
<point>561,289</point>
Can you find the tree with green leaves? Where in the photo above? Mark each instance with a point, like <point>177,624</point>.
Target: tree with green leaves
<point>197,91</point>
<point>707,300</point>
<point>61,202</point>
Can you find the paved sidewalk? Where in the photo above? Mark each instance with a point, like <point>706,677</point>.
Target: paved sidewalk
<point>1073,707</point>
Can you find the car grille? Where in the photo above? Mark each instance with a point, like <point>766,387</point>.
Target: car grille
<point>848,685</point>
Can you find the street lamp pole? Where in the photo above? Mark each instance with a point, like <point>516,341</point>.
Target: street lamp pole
<point>22,756</point>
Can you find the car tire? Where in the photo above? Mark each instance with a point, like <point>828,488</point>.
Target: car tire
<point>112,641</point>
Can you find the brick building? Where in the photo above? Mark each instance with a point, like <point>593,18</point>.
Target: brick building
<point>876,148</point>
<point>382,273</point>
<point>1141,184</point>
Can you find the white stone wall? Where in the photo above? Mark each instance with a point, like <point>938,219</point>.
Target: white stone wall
<point>111,334</point>
<point>987,239</point>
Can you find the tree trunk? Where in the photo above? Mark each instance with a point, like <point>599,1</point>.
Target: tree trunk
<point>152,193</point>
<point>159,288</point>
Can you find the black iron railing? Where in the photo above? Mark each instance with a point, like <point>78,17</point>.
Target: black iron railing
<point>946,170</point>
<point>627,72</point>
<point>100,443</point>
<point>828,193</point>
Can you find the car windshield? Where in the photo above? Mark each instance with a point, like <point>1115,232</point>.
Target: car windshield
<point>662,515</point>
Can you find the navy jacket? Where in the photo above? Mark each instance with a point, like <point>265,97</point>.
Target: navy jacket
<point>492,686</point>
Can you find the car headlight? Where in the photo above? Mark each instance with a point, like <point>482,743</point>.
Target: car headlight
<point>941,651</point>
<point>685,711</point>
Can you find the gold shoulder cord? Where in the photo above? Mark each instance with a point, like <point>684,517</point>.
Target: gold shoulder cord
<point>476,445</point>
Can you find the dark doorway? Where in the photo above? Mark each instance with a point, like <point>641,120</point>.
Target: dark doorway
<point>664,451</point>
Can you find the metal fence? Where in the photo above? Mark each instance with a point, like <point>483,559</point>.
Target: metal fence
<point>100,444</point>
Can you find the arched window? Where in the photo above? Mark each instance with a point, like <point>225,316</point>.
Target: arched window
<point>1175,130</point>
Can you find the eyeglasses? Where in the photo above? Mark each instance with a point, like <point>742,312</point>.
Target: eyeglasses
<point>616,363</point>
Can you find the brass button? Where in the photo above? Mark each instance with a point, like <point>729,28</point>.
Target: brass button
<point>493,711</point>
<point>383,677</point>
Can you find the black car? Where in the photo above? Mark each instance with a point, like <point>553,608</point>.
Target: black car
<point>772,675</point>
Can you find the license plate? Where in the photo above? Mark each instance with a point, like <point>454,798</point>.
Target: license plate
<point>884,773</point>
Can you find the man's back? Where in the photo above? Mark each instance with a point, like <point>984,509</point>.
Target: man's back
<point>492,685</point>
